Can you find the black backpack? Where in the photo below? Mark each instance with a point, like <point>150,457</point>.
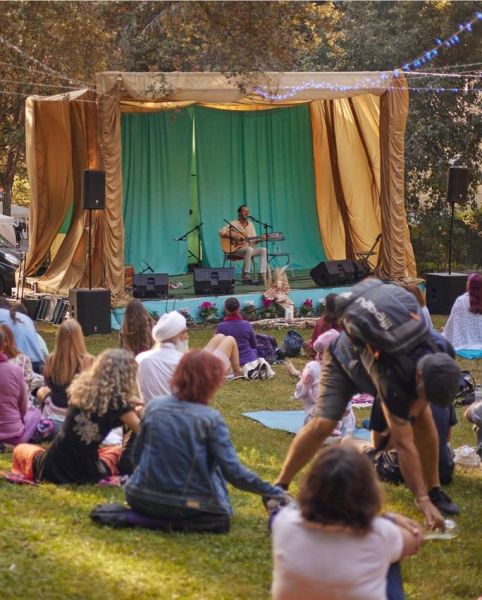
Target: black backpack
<point>383,316</point>
<point>292,344</point>
<point>267,347</point>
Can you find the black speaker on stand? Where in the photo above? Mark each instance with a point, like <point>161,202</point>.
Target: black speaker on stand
<point>91,307</point>
<point>93,194</point>
<point>444,288</point>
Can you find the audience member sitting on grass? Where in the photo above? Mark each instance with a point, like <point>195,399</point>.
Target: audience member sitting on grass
<point>336,544</point>
<point>464,325</point>
<point>241,330</point>
<point>136,328</point>
<point>327,321</point>
<point>157,366</point>
<point>33,380</point>
<point>23,329</point>
<point>100,399</point>
<point>473,414</point>
<point>18,421</point>
<point>68,359</point>
<point>184,455</point>
<point>308,386</point>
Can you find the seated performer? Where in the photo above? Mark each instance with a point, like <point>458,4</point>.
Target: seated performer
<point>235,239</point>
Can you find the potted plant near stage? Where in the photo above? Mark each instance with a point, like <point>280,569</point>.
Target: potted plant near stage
<point>208,312</point>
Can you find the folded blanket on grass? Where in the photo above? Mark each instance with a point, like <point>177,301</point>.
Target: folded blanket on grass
<point>291,421</point>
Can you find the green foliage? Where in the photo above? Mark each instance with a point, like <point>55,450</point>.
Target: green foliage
<point>430,238</point>
<point>21,191</point>
<point>50,549</point>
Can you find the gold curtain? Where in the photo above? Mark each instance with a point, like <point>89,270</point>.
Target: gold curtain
<point>347,173</point>
<point>65,149</point>
<point>398,261</point>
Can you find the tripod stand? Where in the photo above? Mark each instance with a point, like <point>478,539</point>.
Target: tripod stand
<point>198,258</point>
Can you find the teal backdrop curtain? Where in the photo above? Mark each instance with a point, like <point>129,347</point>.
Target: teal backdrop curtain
<point>265,160</point>
<point>157,194</point>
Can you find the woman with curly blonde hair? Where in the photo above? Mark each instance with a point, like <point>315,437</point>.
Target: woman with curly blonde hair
<point>100,399</point>
<point>69,358</point>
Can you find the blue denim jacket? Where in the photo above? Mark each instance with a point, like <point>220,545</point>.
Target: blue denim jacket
<point>184,457</point>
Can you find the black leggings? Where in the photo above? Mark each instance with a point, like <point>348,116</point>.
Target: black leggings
<point>170,518</point>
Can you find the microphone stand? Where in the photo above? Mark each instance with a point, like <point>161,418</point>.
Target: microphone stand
<point>184,237</point>
<point>265,226</point>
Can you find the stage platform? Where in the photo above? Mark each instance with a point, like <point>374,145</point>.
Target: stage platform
<point>184,298</point>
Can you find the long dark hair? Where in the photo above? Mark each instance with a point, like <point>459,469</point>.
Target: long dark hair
<point>341,489</point>
<point>330,320</point>
<point>136,328</point>
<point>474,287</point>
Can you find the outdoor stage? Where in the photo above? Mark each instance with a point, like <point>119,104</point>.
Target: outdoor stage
<point>184,298</point>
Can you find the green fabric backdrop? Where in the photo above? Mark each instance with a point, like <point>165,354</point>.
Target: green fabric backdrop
<point>263,159</point>
<point>157,195</point>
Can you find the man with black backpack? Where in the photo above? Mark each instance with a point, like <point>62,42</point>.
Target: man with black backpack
<point>386,350</point>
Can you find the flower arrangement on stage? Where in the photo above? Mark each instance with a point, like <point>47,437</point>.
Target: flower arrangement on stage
<point>187,315</point>
<point>209,312</point>
<point>249,311</point>
<point>269,309</point>
<point>321,308</point>
<point>306,309</point>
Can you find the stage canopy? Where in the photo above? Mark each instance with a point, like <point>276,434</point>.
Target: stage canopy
<point>320,159</point>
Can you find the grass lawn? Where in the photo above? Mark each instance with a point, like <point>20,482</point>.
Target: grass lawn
<point>50,549</point>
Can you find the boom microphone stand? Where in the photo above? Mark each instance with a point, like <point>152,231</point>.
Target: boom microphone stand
<point>184,237</point>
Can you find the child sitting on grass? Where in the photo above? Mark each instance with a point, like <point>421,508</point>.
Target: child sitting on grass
<point>308,385</point>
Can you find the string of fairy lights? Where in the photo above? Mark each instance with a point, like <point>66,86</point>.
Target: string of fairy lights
<point>380,81</point>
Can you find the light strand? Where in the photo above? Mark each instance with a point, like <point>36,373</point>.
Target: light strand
<point>449,42</point>
<point>373,83</point>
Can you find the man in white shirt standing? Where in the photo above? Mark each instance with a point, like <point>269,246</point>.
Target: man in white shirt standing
<point>239,232</point>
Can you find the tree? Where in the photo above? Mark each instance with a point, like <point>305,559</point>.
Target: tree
<point>236,38</point>
<point>45,48</point>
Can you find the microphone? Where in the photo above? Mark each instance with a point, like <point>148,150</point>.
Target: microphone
<point>255,220</point>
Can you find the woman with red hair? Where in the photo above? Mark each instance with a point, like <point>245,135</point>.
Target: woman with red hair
<point>464,325</point>
<point>184,455</point>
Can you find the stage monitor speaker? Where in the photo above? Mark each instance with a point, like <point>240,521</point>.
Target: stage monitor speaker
<point>333,272</point>
<point>153,285</point>
<point>91,308</point>
<point>442,291</point>
<point>457,184</point>
<point>32,304</point>
<point>214,281</point>
<point>93,189</point>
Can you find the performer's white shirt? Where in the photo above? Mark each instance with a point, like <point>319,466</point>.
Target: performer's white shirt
<point>248,230</point>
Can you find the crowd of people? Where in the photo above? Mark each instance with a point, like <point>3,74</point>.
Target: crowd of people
<point>177,454</point>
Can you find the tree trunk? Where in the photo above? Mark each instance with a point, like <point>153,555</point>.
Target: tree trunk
<point>7,199</point>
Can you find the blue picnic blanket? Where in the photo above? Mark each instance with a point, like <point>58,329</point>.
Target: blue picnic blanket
<point>291,421</point>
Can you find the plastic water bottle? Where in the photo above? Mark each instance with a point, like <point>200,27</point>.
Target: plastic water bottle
<point>451,531</point>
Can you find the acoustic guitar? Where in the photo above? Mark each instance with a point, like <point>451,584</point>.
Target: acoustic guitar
<point>230,246</point>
